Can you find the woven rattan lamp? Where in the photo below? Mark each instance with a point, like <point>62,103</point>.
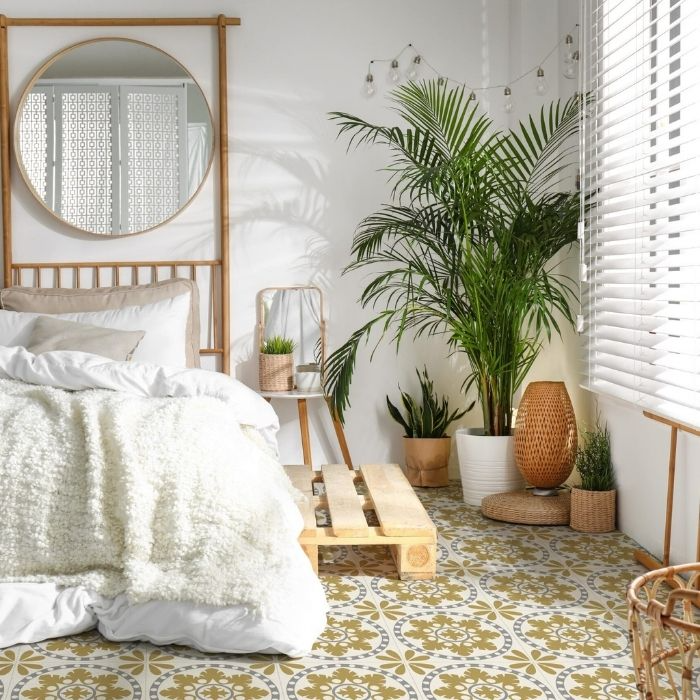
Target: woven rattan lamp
<point>545,451</point>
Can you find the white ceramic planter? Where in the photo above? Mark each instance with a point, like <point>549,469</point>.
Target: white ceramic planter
<point>486,464</point>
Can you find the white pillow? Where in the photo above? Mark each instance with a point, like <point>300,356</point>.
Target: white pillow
<point>164,322</point>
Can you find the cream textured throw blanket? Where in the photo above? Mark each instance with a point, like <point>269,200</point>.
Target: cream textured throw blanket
<point>158,498</point>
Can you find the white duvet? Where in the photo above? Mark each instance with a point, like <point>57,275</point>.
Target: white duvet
<point>154,589</point>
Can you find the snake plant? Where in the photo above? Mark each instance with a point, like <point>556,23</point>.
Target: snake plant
<point>428,419</point>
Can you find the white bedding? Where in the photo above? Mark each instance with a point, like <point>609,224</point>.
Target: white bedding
<point>30,611</point>
<point>78,370</point>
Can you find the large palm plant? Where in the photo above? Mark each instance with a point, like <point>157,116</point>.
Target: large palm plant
<point>465,247</point>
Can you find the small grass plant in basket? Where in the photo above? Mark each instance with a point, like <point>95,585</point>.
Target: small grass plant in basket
<point>276,366</point>
<point>593,502</point>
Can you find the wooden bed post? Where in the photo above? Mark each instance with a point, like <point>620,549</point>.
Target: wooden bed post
<point>5,157</point>
<point>223,198</point>
<point>220,279</point>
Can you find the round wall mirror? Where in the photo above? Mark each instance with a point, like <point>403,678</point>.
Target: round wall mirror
<point>113,136</point>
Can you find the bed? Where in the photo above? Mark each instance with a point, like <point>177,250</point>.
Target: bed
<point>142,495</point>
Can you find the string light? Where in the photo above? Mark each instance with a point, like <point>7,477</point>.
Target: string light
<point>571,67</point>
<point>414,69</point>
<point>418,61</point>
<point>508,102</point>
<point>369,85</point>
<point>569,51</point>
<point>394,75</point>
<point>541,84</point>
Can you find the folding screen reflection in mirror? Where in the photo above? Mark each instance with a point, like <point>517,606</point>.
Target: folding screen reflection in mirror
<point>113,136</point>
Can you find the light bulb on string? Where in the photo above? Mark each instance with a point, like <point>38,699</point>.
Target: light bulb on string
<point>394,75</point>
<point>571,68</point>
<point>508,101</point>
<point>569,49</point>
<point>441,81</point>
<point>369,88</point>
<point>414,68</point>
<point>472,96</point>
<point>540,84</point>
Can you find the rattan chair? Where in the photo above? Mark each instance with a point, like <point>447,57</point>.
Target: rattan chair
<point>664,620</point>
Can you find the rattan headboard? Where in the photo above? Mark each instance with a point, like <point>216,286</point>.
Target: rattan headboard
<point>212,276</point>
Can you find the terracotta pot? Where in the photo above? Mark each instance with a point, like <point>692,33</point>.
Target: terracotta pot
<point>593,511</point>
<point>276,372</point>
<point>486,464</point>
<point>545,435</point>
<point>427,460</point>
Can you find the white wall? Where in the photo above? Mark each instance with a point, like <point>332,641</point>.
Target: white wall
<point>640,449</point>
<point>296,195</point>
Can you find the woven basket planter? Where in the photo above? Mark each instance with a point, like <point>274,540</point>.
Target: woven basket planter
<point>427,460</point>
<point>593,511</point>
<point>545,435</point>
<point>276,372</point>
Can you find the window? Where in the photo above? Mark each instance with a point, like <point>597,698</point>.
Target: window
<point>641,242</point>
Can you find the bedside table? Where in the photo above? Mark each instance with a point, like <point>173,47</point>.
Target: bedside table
<point>301,398</point>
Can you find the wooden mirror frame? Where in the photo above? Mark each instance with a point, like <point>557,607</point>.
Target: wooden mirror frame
<point>12,270</point>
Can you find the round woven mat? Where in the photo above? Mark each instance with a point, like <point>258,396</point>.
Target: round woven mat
<point>525,508</point>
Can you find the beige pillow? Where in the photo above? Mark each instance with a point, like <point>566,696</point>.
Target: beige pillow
<point>57,334</point>
<point>66,301</point>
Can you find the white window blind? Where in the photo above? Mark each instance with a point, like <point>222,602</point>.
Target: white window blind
<point>641,241</point>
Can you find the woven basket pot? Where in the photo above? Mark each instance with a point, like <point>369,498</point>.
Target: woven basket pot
<point>545,435</point>
<point>276,372</point>
<point>593,511</point>
<point>427,460</point>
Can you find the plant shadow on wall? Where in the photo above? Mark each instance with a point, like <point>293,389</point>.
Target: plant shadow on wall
<point>465,247</point>
<point>281,207</point>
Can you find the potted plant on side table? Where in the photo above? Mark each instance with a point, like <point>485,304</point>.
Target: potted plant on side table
<point>593,502</point>
<point>277,364</point>
<point>426,443</point>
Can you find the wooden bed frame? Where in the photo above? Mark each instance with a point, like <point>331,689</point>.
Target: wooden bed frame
<point>212,273</point>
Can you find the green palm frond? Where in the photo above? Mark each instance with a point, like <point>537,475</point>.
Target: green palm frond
<point>464,247</point>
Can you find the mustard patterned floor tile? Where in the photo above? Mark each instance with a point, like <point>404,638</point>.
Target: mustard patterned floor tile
<point>350,681</point>
<point>89,645</point>
<point>76,681</point>
<point>442,591</point>
<point>516,612</point>
<point>214,680</point>
<point>350,637</point>
<point>483,681</point>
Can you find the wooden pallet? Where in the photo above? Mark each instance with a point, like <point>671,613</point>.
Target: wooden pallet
<point>404,526</point>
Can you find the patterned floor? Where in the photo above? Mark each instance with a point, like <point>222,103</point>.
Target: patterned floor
<point>516,613</point>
